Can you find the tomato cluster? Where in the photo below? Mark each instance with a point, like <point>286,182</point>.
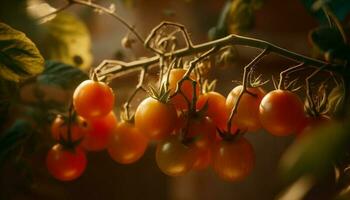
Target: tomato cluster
<point>193,130</point>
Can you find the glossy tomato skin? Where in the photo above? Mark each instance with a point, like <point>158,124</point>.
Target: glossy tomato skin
<point>281,112</point>
<point>203,130</point>
<point>179,100</point>
<point>202,159</point>
<point>92,99</point>
<point>127,143</point>
<point>98,131</point>
<point>59,129</point>
<point>233,160</point>
<point>155,119</point>
<point>217,110</point>
<point>65,165</point>
<point>174,158</point>
<point>247,116</point>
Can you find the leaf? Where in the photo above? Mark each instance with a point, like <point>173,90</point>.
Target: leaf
<point>19,57</point>
<point>326,38</point>
<point>13,137</point>
<point>340,8</point>
<point>8,91</point>
<point>61,75</point>
<point>241,17</point>
<point>237,16</point>
<point>314,153</point>
<point>335,100</point>
<point>68,40</point>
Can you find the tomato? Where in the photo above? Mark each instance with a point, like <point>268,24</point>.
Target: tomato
<point>92,99</point>
<point>217,110</point>
<point>233,160</point>
<point>203,130</point>
<point>309,123</point>
<point>179,100</point>
<point>174,158</point>
<point>203,133</point>
<point>64,164</point>
<point>127,143</point>
<point>281,112</point>
<point>202,159</point>
<point>247,116</point>
<point>59,129</point>
<point>98,132</point>
<point>155,119</point>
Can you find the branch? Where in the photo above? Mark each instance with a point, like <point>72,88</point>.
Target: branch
<point>220,43</point>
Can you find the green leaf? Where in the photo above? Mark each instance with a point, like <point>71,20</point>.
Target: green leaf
<point>335,100</point>
<point>340,8</point>
<point>61,75</point>
<point>237,16</point>
<point>13,137</point>
<point>19,57</point>
<point>315,152</point>
<point>68,40</point>
<point>9,92</point>
<point>241,17</point>
<point>326,38</point>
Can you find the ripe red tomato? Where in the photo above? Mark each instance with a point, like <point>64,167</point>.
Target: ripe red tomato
<point>233,160</point>
<point>217,110</point>
<point>247,116</point>
<point>59,129</point>
<point>174,158</point>
<point>127,143</point>
<point>203,130</point>
<point>98,132</point>
<point>64,164</point>
<point>202,159</point>
<point>155,119</point>
<point>281,112</point>
<point>92,99</point>
<point>179,100</point>
<point>203,133</point>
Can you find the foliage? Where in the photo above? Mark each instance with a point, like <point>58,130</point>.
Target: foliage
<point>67,40</point>
<point>61,75</point>
<point>19,57</point>
<point>14,137</point>
<point>340,8</point>
<point>237,16</point>
<point>316,152</point>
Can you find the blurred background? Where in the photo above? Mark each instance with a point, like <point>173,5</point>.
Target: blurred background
<point>97,37</point>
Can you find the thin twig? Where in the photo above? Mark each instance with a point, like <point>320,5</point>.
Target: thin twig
<point>284,72</point>
<point>244,86</point>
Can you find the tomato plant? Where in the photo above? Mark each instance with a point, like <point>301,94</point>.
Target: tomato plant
<point>173,157</point>
<point>247,117</point>
<point>155,119</point>
<point>216,109</point>
<point>233,160</point>
<point>98,132</point>
<point>179,100</point>
<point>93,99</point>
<point>281,112</point>
<point>65,164</point>
<point>59,129</point>
<point>127,143</point>
<point>192,130</point>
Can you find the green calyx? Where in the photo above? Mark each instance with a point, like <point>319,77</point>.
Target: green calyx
<point>162,94</point>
